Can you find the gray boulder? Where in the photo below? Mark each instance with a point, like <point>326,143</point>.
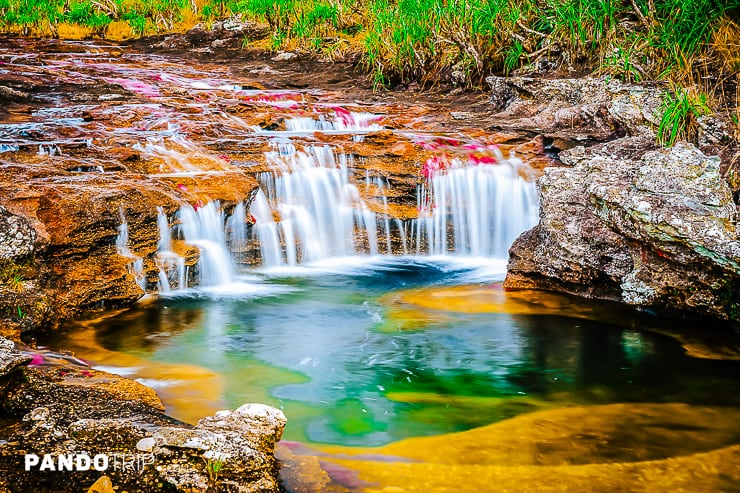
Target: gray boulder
<point>584,109</point>
<point>17,236</point>
<point>656,231</point>
<point>75,410</point>
<point>10,357</point>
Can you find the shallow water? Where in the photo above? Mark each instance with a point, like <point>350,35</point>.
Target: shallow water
<point>368,352</point>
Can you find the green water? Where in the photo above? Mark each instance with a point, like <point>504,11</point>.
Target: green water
<point>321,345</point>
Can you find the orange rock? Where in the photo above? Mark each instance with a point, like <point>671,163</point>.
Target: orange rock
<point>402,149</point>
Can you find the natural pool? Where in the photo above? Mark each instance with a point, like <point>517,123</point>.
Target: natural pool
<point>397,373</point>
<point>367,351</point>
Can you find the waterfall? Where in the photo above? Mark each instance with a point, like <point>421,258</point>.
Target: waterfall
<point>475,210</point>
<point>136,267</point>
<point>319,210</point>
<point>204,228</point>
<point>165,238</point>
<point>465,208</point>
<point>309,209</point>
<point>236,228</point>
<point>266,230</point>
<point>171,265</point>
<point>343,121</point>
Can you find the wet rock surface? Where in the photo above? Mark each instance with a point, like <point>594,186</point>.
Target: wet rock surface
<point>110,133</point>
<point>654,231</point>
<point>62,410</point>
<point>10,357</point>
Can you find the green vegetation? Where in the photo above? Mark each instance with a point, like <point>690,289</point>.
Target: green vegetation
<point>213,467</point>
<point>12,274</point>
<point>680,110</point>
<point>400,41</point>
<point>412,39</point>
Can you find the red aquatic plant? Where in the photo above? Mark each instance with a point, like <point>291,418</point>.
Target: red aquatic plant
<point>433,165</point>
<point>479,158</point>
<point>36,360</point>
<point>344,115</point>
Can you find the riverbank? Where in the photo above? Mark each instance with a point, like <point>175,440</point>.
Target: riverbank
<point>124,165</point>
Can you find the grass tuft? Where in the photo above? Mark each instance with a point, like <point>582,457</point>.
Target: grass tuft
<point>681,110</point>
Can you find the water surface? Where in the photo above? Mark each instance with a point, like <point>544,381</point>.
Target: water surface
<point>367,352</point>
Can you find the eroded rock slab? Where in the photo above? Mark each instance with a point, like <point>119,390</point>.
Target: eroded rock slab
<point>585,109</point>
<point>75,411</point>
<point>10,357</point>
<point>656,231</point>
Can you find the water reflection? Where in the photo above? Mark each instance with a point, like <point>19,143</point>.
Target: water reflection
<point>324,353</point>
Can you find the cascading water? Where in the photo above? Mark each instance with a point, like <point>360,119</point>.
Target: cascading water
<point>343,121</point>
<point>309,209</point>
<point>466,207</point>
<point>171,266</point>
<point>320,211</point>
<point>204,228</point>
<point>236,229</point>
<point>475,210</point>
<point>136,267</point>
<point>266,230</point>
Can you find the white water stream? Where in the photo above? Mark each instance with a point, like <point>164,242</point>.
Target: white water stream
<point>309,210</point>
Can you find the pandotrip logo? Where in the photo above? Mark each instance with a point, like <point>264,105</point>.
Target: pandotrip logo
<point>86,462</point>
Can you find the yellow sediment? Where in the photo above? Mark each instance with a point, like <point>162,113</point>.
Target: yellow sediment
<point>191,393</point>
<point>706,472</point>
<point>473,401</point>
<point>417,308</point>
<point>617,447</point>
<point>493,299</point>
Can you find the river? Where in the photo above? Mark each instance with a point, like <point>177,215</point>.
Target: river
<point>358,286</point>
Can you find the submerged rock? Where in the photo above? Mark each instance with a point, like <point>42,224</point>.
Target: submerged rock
<point>582,448</point>
<point>67,411</point>
<point>656,231</point>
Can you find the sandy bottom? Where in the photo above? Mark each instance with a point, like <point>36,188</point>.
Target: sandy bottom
<point>618,447</point>
<point>189,392</point>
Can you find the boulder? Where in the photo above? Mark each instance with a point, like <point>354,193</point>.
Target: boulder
<point>17,236</point>
<point>78,411</point>
<point>657,230</point>
<point>580,110</point>
<point>10,357</point>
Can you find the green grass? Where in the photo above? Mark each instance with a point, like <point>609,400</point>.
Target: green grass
<point>429,40</point>
<point>404,40</point>
<point>680,111</point>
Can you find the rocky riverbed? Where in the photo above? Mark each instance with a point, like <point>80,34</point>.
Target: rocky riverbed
<point>98,136</point>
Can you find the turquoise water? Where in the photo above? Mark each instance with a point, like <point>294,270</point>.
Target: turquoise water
<point>329,347</point>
